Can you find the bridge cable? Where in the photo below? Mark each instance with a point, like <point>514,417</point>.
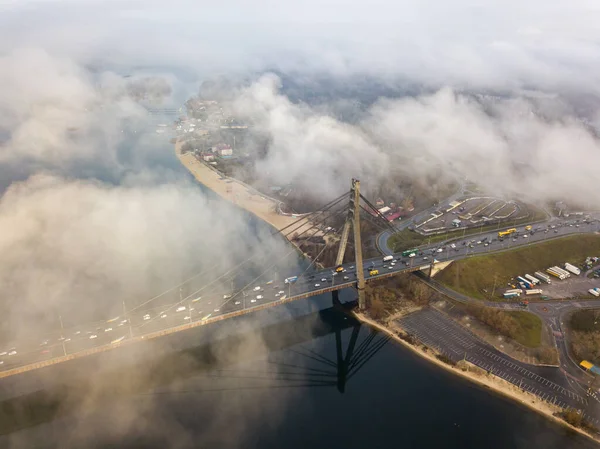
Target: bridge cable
<point>326,206</point>
<point>294,249</point>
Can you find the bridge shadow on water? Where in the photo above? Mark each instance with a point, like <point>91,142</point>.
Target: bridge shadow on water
<point>289,362</point>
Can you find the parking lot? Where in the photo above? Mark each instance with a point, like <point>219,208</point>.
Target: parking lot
<point>472,212</point>
<point>575,286</point>
<point>438,331</point>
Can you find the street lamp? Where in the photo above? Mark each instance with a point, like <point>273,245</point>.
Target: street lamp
<point>62,336</point>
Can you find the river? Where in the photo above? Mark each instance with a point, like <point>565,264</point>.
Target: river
<point>272,380</point>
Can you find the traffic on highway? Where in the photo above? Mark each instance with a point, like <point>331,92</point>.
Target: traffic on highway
<point>213,304</point>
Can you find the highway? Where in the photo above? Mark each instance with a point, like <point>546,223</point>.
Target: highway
<point>218,305</point>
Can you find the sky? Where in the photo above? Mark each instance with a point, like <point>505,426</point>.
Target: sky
<point>90,205</point>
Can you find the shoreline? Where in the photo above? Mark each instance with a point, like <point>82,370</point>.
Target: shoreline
<point>243,196</point>
<point>497,385</point>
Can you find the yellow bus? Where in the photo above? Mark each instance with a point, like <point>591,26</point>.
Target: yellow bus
<point>507,232</point>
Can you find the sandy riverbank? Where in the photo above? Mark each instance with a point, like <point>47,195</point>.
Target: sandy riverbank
<point>492,382</point>
<point>239,194</point>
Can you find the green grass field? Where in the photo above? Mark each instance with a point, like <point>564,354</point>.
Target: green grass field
<point>529,330</point>
<point>474,275</point>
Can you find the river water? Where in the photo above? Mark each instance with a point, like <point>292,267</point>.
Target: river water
<point>302,376</point>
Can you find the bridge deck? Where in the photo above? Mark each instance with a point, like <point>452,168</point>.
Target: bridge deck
<point>194,324</point>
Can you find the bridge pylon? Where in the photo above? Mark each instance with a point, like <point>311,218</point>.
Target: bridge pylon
<point>353,220</point>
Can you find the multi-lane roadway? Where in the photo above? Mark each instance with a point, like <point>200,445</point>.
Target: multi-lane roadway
<point>214,304</point>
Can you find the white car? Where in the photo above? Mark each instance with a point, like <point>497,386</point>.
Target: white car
<point>525,236</point>
<point>3,353</point>
<point>439,250</point>
<point>346,278</point>
<point>91,337</point>
<point>180,309</point>
<point>259,297</point>
<point>146,317</point>
<point>67,339</point>
<point>323,280</point>
<point>452,245</point>
<point>13,352</point>
<point>225,297</point>
<point>317,285</point>
<point>281,292</point>
<point>216,310</point>
<point>78,332</point>
<point>164,315</point>
<point>237,303</point>
<point>390,268</point>
<point>253,300</point>
<point>257,288</point>
<point>44,343</point>
<point>187,317</point>
<point>108,329</point>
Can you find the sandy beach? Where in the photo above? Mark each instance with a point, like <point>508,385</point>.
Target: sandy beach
<point>236,192</point>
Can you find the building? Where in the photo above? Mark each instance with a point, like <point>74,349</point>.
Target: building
<point>207,157</point>
<point>379,202</point>
<point>223,150</point>
<point>393,215</point>
<point>383,210</point>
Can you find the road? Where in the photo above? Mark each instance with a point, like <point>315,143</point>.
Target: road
<point>215,304</point>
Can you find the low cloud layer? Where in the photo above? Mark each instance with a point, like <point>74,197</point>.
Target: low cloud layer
<point>539,150</point>
<point>81,248</point>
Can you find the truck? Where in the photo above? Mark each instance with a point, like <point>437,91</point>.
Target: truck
<point>557,274</point>
<point>594,292</point>
<point>507,232</point>
<point>387,258</point>
<point>291,280</point>
<point>560,270</point>
<point>509,295</point>
<point>573,269</point>
<point>373,272</point>
<point>534,281</point>
<point>514,290</point>
<point>542,277</point>
<point>534,291</point>
<point>524,281</point>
